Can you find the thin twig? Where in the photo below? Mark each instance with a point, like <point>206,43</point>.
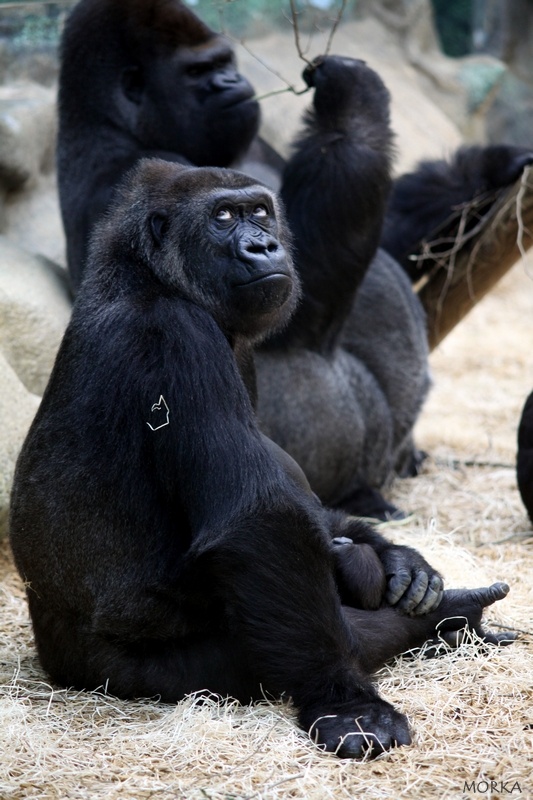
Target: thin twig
<point>301,54</point>
<point>289,86</point>
<point>335,25</point>
<point>293,20</point>
<point>519,198</point>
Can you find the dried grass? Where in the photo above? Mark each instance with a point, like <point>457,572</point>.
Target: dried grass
<point>471,711</point>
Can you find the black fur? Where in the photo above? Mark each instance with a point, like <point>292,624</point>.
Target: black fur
<point>164,546</point>
<point>141,78</point>
<point>425,205</point>
<point>524,461</point>
<point>343,387</point>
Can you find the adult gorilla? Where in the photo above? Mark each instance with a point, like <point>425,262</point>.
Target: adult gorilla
<point>342,388</point>
<point>164,546</point>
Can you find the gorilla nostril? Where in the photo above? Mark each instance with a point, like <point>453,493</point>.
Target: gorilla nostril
<point>260,249</point>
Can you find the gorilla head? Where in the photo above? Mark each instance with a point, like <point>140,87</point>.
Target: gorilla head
<point>161,75</point>
<point>213,236</point>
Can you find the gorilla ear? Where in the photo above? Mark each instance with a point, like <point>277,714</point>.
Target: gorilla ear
<point>132,83</point>
<point>159,224</point>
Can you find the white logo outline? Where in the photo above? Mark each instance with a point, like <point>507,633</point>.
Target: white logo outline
<point>157,406</point>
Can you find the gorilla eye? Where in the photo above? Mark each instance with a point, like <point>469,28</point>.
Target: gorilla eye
<point>197,70</point>
<point>224,214</point>
<point>260,211</point>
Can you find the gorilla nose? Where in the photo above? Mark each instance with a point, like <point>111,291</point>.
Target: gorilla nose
<point>262,252</point>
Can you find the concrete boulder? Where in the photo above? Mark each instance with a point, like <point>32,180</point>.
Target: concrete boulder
<point>27,133</point>
<point>17,409</point>
<point>34,311</point>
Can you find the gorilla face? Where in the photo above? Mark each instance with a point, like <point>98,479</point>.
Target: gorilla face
<point>215,237</point>
<point>194,97</point>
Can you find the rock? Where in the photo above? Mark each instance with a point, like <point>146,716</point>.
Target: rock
<point>27,133</point>
<point>34,311</point>
<point>33,220</point>
<point>29,206</point>
<point>17,409</point>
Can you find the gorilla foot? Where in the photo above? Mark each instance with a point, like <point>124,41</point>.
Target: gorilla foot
<point>411,465</point>
<point>461,612</point>
<point>370,504</point>
<point>356,729</point>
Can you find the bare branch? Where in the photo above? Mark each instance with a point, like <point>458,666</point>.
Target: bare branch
<point>519,199</point>
<point>467,268</point>
<point>289,86</point>
<point>294,22</point>
<point>335,25</point>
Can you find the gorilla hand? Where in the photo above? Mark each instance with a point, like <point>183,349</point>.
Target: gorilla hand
<point>369,570</point>
<point>346,89</point>
<point>413,586</point>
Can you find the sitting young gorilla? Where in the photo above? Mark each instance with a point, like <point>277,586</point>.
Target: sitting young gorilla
<point>166,545</point>
<point>342,388</point>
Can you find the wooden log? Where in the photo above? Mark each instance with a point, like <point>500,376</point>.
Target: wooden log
<point>453,288</point>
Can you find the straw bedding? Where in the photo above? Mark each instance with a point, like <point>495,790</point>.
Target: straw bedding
<point>471,710</point>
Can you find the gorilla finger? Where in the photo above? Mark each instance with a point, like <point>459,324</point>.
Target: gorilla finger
<point>397,585</point>
<point>432,597</point>
<point>501,639</point>
<point>309,72</point>
<point>518,164</point>
<point>341,540</point>
<point>414,594</point>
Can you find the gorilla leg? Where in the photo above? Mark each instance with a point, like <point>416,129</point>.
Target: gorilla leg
<point>268,624</point>
<point>74,656</point>
<point>382,634</point>
<point>386,632</point>
<point>366,502</point>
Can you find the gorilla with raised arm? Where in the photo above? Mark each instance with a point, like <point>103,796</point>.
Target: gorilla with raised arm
<point>165,544</point>
<point>342,387</point>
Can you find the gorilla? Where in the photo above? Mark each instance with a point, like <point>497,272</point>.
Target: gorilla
<point>166,545</point>
<point>342,386</point>
<point>524,460</point>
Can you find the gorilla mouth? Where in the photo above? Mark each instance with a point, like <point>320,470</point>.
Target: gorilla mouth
<point>238,100</point>
<point>265,292</point>
<point>274,277</point>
